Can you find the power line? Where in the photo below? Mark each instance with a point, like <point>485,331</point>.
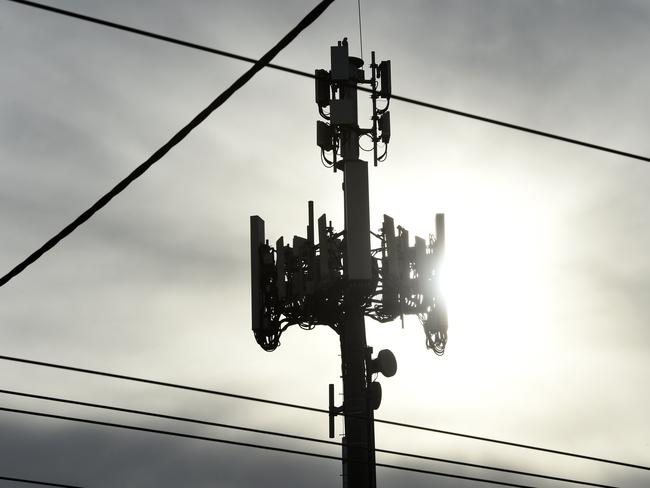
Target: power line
<point>176,138</point>
<point>166,384</point>
<point>166,432</point>
<point>295,437</point>
<point>460,477</point>
<point>168,417</point>
<point>312,409</point>
<point>35,482</point>
<point>514,444</point>
<point>218,102</point>
<point>413,101</point>
<point>521,128</point>
<point>246,444</point>
<point>153,35</point>
<point>264,61</point>
<point>360,31</point>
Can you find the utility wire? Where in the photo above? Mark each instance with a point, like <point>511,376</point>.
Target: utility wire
<point>166,432</point>
<point>153,35</point>
<point>167,417</point>
<point>311,409</point>
<point>514,444</point>
<point>262,62</point>
<point>413,101</point>
<point>247,444</point>
<point>34,482</point>
<point>161,383</point>
<point>178,137</point>
<point>521,128</point>
<point>295,437</point>
<point>360,31</point>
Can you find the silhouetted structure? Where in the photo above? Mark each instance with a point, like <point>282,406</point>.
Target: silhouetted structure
<point>342,278</point>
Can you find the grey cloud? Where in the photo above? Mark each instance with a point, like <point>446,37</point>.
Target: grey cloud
<point>156,284</point>
<point>94,456</point>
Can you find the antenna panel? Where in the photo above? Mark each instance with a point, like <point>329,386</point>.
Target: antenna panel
<point>257,289</point>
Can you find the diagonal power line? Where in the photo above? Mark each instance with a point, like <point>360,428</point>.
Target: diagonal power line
<point>413,101</point>
<point>145,413</point>
<point>263,62</point>
<point>312,409</point>
<point>154,35</point>
<point>36,482</point>
<point>176,138</point>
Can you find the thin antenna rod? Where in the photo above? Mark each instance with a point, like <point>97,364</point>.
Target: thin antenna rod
<point>360,33</point>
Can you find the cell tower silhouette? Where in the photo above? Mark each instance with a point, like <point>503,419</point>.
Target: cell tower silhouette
<point>342,278</point>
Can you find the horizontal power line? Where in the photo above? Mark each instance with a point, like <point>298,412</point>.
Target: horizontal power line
<point>397,97</point>
<point>248,444</point>
<point>166,384</point>
<point>294,437</point>
<point>312,409</point>
<point>147,413</point>
<point>175,139</point>
<point>220,52</point>
<point>35,482</point>
<point>160,37</point>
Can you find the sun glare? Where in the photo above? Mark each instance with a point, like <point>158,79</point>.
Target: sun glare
<point>493,275</point>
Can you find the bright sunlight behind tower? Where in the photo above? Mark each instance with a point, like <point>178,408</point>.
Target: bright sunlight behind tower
<point>546,273</point>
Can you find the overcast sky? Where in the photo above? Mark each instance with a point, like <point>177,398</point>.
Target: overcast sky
<point>548,274</point>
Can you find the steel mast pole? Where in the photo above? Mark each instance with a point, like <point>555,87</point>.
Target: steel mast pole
<point>358,443</point>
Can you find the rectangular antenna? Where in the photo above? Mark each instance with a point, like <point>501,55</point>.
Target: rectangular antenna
<point>310,225</point>
<point>340,63</point>
<point>390,268</point>
<point>331,410</point>
<point>384,127</point>
<point>322,87</point>
<point>440,238</point>
<point>257,291</point>
<point>421,260</point>
<point>324,136</point>
<point>357,221</point>
<point>404,256</point>
<point>281,268</point>
<point>323,243</point>
<point>384,77</point>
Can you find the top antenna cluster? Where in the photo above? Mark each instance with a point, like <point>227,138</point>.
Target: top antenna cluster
<point>336,90</point>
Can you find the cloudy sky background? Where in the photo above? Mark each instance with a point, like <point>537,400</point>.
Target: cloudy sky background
<point>548,275</point>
